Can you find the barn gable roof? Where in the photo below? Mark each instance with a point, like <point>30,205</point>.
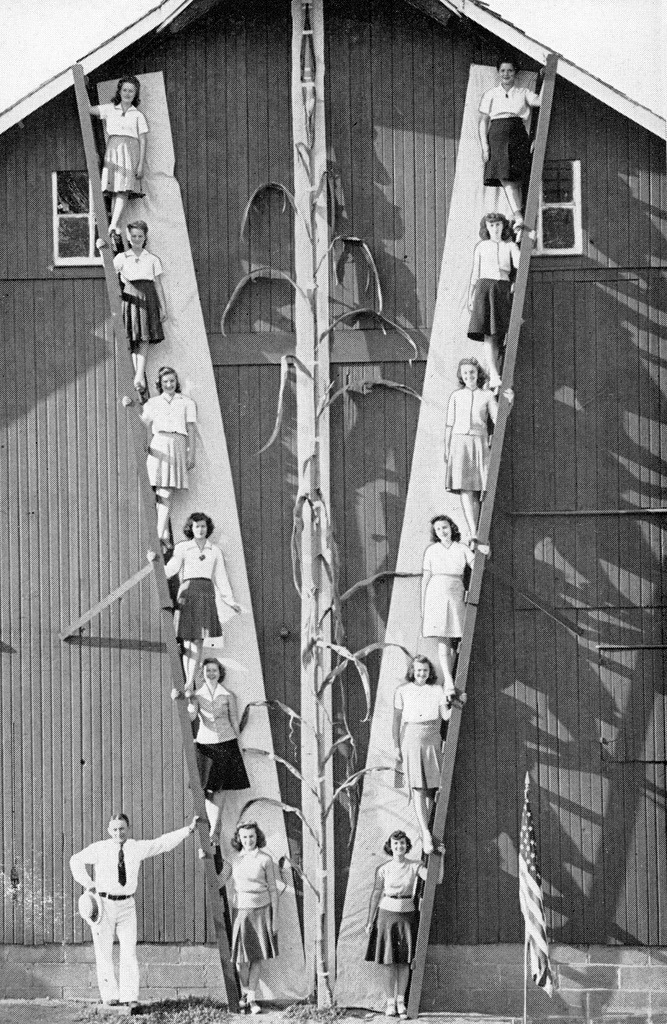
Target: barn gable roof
<point>174,12</point>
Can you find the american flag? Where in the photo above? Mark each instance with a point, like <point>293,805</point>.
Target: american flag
<point>530,898</point>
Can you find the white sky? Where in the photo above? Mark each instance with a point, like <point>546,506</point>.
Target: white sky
<point>623,42</point>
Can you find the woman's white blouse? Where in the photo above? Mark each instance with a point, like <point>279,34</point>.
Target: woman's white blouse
<point>498,103</point>
<point>170,416</point>
<point>421,703</point>
<point>131,123</point>
<point>145,267</point>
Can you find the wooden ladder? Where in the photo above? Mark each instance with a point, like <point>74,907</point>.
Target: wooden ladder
<point>148,524</point>
<point>463,666</point>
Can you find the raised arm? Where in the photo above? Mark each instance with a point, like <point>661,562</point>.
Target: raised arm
<point>169,841</point>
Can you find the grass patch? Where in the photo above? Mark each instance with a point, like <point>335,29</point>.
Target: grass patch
<point>170,1011</point>
<point>303,1013</point>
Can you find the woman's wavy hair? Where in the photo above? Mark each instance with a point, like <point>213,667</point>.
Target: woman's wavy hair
<point>214,661</point>
<point>261,838</point>
<point>456,533</point>
<point>495,218</point>
<point>481,373</point>
<point>198,517</point>
<point>432,674</point>
<point>133,81</point>
<point>398,834</point>
<point>162,372</point>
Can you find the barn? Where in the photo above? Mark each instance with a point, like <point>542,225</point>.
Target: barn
<point>568,658</point>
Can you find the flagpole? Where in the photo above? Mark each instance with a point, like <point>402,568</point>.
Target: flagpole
<point>525,975</point>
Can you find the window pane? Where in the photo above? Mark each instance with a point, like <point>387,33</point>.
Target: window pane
<point>72,192</point>
<point>557,182</point>
<point>73,237</point>
<point>557,229</point>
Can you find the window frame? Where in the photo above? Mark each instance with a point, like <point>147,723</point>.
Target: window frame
<point>574,205</point>
<point>94,259</point>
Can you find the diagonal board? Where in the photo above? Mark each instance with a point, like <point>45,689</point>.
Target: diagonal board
<point>147,521</point>
<point>384,807</point>
<point>512,343</point>
<point>211,490</point>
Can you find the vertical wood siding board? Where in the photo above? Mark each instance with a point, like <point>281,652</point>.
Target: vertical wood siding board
<point>21,199</point>
<point>20,566</point>
<point>418,176</point>
<point>384,125</point>
<point>396,48</point>
<point>72,820</point>
<point>42,771</point>
<point>243,64</point>
<point>585,387</point>
<point>51,657</point>
<point>216,183</point>
<point>661,853</point>
<point>7,611</point>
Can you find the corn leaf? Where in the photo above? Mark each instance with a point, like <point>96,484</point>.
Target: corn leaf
<point>352,781</point>
<point>371,268</point>
<point>347,738</point>
<point>362,671</point>
<point>280,760</point>
<point>287,808</point>
<point>286,362</point>
<point>272,705</point>
<point>384,322</point>
<point>259,273</point>
<point>285,861</point>
<point>362,584</point>
<point>270,186</point>
<point>364,387</point>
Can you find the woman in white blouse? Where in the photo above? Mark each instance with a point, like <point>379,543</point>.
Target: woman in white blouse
<point>504,111</point>
<point>420,704</point>
<point>144,306</point>
<point>126,148</point>
<point>171,418</point>
<point>205,600</point>
<point>495,259</point>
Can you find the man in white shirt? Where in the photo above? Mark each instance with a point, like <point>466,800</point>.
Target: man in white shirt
<point>117,861</point>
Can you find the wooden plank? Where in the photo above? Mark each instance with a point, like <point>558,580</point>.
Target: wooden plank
<point>110,599</point>
<point>483,532</point>
<point>148,523</point>
<point>348,346</point>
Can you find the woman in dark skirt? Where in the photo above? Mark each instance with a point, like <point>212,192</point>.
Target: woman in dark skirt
<point>504,111</point>
<point>205,600</point>
<point>495,260</point>
<point>256,882</point>
<point>221,770</point>
<point>393,920</point>
<point>144,306</point>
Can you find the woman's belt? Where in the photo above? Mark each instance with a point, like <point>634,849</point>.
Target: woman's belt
<point>397,904</point>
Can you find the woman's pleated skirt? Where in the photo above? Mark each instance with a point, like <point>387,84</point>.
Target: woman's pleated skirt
<point>196,613</point>
<point>141,314</point>
<point>119,173</point>
<point>393,938</point>
<point>421,754</point>
<point>509,151</point>
<point>491,309</point>
<point>167,461</point>
<point>468,463</point>
<point>221,766</point>
<point>252,937</point>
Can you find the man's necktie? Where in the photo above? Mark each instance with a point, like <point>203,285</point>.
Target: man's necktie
<point>122,876</point>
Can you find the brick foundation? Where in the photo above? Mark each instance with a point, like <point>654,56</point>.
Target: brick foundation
<point>590,982</point>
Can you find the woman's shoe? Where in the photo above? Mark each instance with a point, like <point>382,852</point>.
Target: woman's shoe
<point>391,1010</point>
<point>401,1008</point>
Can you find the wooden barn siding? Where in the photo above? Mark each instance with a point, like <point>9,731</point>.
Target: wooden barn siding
<point>587,432</point>
<point>228,46</point>
<point>87,726</point>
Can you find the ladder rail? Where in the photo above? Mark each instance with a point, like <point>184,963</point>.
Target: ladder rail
<point>465,653</point>
<point>148,523</point>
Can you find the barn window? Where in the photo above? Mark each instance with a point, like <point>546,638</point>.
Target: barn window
<point>74,232</point>
<point>559,218</point>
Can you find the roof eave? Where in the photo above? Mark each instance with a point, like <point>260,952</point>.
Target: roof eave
<point>584,80</point>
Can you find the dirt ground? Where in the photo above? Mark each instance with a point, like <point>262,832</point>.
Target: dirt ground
<point>51,1011</point>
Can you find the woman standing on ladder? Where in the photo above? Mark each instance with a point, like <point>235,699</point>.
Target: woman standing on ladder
<point>504,111</point>
<point>205,599</point>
